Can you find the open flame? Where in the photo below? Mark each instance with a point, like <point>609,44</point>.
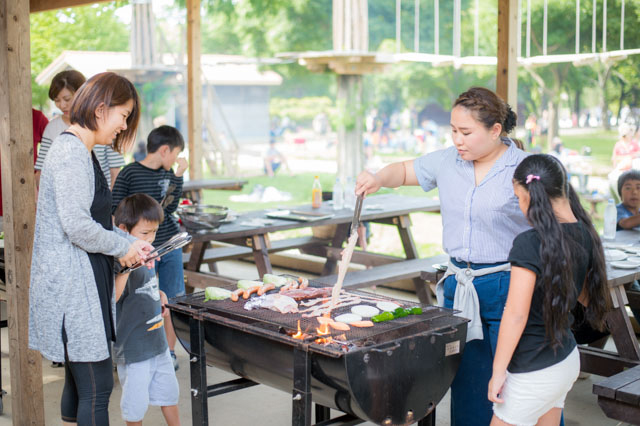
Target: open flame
<point>299,334</point>
<point>323,330</point>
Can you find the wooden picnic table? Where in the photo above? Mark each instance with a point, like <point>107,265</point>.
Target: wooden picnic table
<point>193,188</point>
<point>608,363</point>
<point>249,235</point>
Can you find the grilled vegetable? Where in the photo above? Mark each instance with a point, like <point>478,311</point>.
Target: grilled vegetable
<point>361,324</point>
<point>416,310</point>
<point>245,284</point>
<point>384,316</point>
<point>339,326</point>
<point>276,280</point>
<point>324,320</point>
<point>216,293</point>
<point>401,313</point>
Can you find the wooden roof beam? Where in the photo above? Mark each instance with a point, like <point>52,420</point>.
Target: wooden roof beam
<point>43,5</point>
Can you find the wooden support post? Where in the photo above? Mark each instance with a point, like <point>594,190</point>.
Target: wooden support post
<point>18,188</point>
<point>507,75</point>
<point>350,148</point>
<point>194,89</point>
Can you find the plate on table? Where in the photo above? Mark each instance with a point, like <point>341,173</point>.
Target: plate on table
<point>625,264</point>
<point>613,245</point>
<point>632,249</point>
<point>614,255</point>
<point>634,259</point>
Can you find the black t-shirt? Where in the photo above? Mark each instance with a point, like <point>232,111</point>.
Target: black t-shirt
<point>140,331</point>
<point>534,350</point>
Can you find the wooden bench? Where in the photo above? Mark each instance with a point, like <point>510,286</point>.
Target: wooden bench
<point>417,269</point>
<point>230,252</point>
<point>619,396</point>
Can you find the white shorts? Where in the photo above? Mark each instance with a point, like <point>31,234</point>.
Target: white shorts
<point>149,382</point>
<point>528,396</point>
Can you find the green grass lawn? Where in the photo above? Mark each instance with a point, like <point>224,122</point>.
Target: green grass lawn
<point>299,186</point>
<point>600,142</point>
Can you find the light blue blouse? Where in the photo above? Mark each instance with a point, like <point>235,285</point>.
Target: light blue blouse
<point>479,222</point>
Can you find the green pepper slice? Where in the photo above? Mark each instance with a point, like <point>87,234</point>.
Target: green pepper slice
<point>400,313</point>
<point>381,317</point>
<point>416,310</point>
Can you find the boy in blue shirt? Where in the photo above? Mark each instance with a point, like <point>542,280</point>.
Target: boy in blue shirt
<point>145,367</point>
<point>155,177</point>
<point>629,211</point>
<point>629,208</point>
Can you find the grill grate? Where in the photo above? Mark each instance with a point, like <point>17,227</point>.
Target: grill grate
<point>288,323</point>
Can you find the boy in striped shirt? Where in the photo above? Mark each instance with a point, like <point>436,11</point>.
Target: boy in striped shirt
<point>155,177</point>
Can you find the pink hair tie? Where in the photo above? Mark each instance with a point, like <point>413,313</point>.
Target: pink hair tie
<point>531,177</point>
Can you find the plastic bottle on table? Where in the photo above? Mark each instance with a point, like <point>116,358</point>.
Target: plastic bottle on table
<point>350,194</point>
<point>338,195</point>
<point>610,220</point>
<point>316,194</point>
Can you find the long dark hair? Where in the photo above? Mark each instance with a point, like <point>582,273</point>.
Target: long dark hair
<point>489,109</point>
<point>547,180</point>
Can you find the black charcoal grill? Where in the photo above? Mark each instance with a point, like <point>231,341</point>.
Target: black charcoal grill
<point>393,373</point>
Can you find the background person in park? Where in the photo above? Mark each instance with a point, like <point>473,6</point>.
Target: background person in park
<point>480,218</point>
<point>626,149</point>
<point>70,315</point>
<point>63,87</point>
<point>554,265</point>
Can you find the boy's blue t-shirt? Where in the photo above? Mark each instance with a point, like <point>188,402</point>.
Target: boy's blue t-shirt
<point>623,213</point>
<point>140,331</point>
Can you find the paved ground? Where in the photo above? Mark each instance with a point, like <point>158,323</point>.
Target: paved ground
<point>259,404</point>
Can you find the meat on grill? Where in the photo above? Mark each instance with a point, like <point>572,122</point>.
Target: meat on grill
<point>308,293</point>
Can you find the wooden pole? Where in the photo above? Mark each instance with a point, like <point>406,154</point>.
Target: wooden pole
<point>18,190</point>
<point>350,148</point>
<point>194,89</point>
<point>350,28</point>
<point>507,75</point>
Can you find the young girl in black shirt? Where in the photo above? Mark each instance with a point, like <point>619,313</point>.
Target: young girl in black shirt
<point>554,265</point>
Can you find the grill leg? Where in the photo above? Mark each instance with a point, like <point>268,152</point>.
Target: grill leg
<point>429,420</point>
<point>198,367</point>
<point>301,415</point>
<point>322,413</point>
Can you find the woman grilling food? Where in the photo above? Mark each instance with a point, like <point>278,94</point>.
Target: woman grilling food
<point>481,218</point>
<point>70,317</point>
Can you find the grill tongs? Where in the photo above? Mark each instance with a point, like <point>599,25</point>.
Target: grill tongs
<point>175,242</point>
<point>355,222</point>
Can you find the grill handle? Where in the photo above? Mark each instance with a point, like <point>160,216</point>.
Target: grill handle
<point>447,332</point>
<point>387,349</point>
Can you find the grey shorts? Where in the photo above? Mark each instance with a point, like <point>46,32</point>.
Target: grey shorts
<point>149,382</point>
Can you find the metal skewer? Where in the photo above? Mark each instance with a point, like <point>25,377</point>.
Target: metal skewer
<point>355,222</point>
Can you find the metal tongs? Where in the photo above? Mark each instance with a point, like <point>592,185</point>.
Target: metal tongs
<point>175,242</point>
<point>355,222</point>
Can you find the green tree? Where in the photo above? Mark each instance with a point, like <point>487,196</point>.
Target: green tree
<point>94,27</point>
